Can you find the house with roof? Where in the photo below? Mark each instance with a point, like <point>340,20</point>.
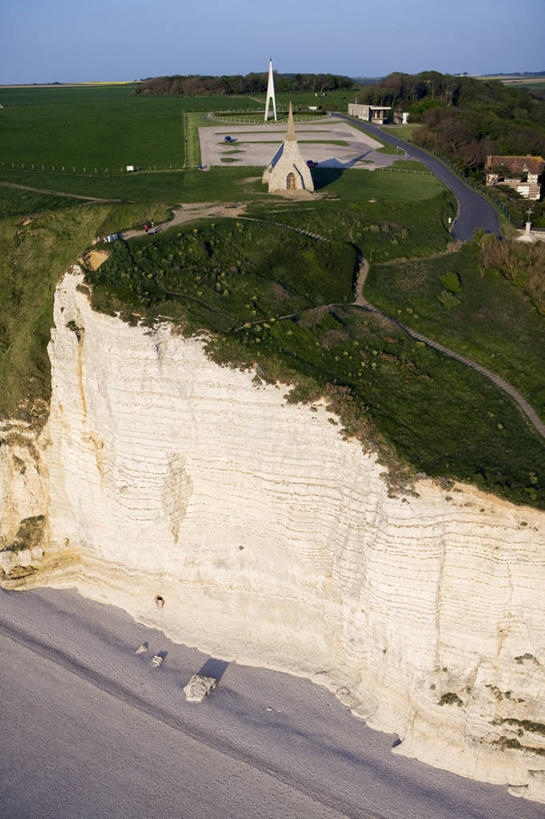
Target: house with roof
<point>287,171</point>
<point>522,173</point>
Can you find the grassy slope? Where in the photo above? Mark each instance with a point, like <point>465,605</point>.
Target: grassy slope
<point>494,322</point>
<point>403,131</point>
<point>375,211</point>
<point>224,274</point>
<point>244,281</point>
<point>32,258</point>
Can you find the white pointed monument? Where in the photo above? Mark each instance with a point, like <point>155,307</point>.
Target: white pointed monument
<point>288,171</point>
<point>270,94</point>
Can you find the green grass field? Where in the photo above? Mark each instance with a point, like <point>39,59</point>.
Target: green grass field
<point>180,186</point>
<point>403,131</point>
<point>175,186</point>
<point>256,117</point>
<point>332,100</point>
<point>390,149</point>
<point>303,141</point>
<point>101,127</point>
<point>384,229</point>
<point>531,86</point>
<point>14,202</point>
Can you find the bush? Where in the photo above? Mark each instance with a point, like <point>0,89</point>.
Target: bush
<point>448,299</point>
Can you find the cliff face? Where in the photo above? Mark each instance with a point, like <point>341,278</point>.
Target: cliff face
<point>275,542</point>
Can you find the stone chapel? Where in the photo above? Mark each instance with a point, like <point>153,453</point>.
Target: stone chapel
<point>287,170</point>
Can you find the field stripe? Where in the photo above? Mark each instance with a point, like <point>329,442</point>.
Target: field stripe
<point>57,193</point>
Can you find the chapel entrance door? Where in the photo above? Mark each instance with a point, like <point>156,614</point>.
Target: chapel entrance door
<point>290,182</point>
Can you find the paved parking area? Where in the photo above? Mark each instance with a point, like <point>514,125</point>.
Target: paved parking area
<point>257,144</point>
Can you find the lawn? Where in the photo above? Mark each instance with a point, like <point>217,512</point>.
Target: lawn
<point>102,127</point>
<point>257,116</point>
<point>167,186</point>
<point>382,229</point>
<point>403,131</point>
<point>341,142</point>
<point>390,149</point>
<point>226,184</point>
<point>331,100</point>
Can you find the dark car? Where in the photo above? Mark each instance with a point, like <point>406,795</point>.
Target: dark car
<point>311,163</point>
<point>229,139</point>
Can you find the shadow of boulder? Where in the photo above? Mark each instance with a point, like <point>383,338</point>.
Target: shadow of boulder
<point>213,668</point>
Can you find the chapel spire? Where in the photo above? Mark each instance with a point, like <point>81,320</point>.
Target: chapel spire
<point>290,133</point>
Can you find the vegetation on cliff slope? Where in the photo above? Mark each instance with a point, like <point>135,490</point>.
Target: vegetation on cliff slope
<point>280,301</point>
<point>33,254</point>
<point>483,301</point>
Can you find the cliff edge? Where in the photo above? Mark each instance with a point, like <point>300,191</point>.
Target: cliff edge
<point>274,541</point>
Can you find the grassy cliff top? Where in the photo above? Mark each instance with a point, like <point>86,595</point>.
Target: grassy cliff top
<point>283,300</point>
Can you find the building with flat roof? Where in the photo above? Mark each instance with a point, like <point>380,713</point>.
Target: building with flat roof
<point>370,113</point>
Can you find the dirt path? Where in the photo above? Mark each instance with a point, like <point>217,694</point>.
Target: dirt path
<point>57,193</point>
<point>528,411</point>
<point>361,301</point>
<point>206,210</point>
<point>190,213</point>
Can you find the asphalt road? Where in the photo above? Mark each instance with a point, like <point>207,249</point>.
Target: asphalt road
<point>89,729</point>
<point>474,210</point>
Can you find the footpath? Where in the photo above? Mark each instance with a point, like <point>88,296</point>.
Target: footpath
<point>192,212</point>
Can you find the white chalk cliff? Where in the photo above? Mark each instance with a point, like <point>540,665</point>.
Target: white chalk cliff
<point>274,541</point>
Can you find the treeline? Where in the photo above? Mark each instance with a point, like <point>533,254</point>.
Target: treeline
<point>194,85</point>
<point>463,118</point>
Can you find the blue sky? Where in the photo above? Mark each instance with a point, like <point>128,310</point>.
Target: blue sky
<point>67,41</point>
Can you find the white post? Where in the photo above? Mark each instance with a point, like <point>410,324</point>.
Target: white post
<point>529,223</point>
<point>270,94</point>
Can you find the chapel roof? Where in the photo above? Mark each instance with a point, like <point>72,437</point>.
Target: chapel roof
<point>290,133</point>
